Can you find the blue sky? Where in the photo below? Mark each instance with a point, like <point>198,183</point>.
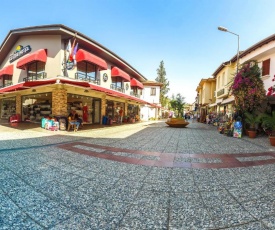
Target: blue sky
<point>182,33</point>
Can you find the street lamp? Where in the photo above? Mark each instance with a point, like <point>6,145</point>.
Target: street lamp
<point>226,30</point>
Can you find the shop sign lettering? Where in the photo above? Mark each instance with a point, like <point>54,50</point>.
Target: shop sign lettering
<point>20,51</point>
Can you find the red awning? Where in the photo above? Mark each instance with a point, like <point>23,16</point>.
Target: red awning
<point>27,85</point>
<point>39,55</point>
<point>136,83</point>
<point>11,88</point>
<point>8,70</point>
<point>30,84</point>
<point>83,55</point>
<point>116,72</point>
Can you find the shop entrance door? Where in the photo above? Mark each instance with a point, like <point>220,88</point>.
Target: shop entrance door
<point>96,111</point>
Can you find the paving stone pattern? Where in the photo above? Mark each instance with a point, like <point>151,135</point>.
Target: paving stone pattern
<point>135,176</point>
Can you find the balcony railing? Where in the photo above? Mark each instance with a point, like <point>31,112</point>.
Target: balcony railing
<point>86,77</point>
<point>220,92</point>
<point>36,76</point>
<point>6,84</point>
<point>135,94</point>
<point>114,87</point>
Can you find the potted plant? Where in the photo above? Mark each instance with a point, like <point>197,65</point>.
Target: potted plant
<point>268,122</point>
<point>252,119</point>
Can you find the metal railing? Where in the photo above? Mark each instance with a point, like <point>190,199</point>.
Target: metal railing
<point>34,77</point>
<point>86,77</point>
<point>220,92</point>
<point>6,84</point>
<point>114,87</point>
<point>135,94</point>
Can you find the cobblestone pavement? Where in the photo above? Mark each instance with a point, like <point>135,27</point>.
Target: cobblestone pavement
<point>135,176</point>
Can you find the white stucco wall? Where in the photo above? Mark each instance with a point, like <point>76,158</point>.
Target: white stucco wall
<point>53,45</point>
<point>147,112</point>
<point>261,54</point>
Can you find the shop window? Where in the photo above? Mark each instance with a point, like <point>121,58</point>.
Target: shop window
<point>117,84</point>
<point>35,71</point>
<point>36,106</point>
<point>153,92</point>
<point>113,111</point>
<point>88,108</point>
<point>8,107</point>
<point>6,80</point>
<point>87,72</point>
<point>266,67</point>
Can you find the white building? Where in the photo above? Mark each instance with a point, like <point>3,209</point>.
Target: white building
<point>151,93</point>
<point>264,53</point>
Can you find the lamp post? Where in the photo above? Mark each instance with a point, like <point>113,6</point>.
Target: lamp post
<point>226,30</point>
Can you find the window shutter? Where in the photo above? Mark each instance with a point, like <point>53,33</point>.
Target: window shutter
<point>266,67</point>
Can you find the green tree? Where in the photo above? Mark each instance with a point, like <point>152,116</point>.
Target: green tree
<point>177,104</point>
<point>161,77</point>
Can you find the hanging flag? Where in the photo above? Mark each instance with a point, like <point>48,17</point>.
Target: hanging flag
<point>69,47</point>
<point>72,50</point>
<point>75,50</point>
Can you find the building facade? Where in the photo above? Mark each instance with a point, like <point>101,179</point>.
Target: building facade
<point>205,96</point>
<point>151,94</point>
<point>51,70</point>
<point>224,76</point>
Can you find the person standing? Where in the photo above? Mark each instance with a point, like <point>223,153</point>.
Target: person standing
<point>85,112</point>
<point>120,115</point>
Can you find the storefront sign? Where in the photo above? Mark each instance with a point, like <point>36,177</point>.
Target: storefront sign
<point>70,64</point>
<point>20,51</point>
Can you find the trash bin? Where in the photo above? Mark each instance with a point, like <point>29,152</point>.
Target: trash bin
<point>104,120</point>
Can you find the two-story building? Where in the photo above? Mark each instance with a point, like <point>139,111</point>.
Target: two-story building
<point>205,93</point>
<point>50,70</point>
<point>264,53</point>
<point>151,94</point>
<point>224,76</point>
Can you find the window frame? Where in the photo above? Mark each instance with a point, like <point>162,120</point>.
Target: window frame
<point>153,91</point>
<point>84,74</point>
<point>37,73</point>
<point>266,67</point>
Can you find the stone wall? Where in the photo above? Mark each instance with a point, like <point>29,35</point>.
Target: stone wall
<point>18,103</point>
<point>59,102</point>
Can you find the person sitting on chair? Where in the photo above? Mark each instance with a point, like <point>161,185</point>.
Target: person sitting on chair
<point>72,119</point>
<point>77,118</point>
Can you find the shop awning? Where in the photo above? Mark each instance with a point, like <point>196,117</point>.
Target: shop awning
<point>136,83</point>
<point>39,55</point>
<point>83,55</point>
<point>212,105</point>
<point>219,101</point>
<point>19,86</point>
<point>228,100</point>
<point>8,70</point>
<point>27,85</point>
<point>116,72</point>
<point>49,81</point>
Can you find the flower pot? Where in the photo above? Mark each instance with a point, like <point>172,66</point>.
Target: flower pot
<point>272,140</point>
<point>252,133</point>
